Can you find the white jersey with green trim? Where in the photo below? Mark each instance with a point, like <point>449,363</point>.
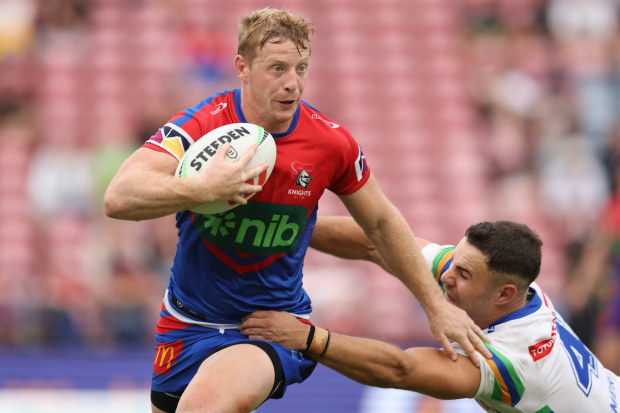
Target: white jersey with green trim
<point>539,364</point>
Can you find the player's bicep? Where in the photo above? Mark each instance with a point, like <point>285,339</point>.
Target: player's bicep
<point>146,159</point>
<point>434,374</point>
<point>134,173</point>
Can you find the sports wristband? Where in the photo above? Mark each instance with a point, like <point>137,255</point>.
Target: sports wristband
<point>310,338</point>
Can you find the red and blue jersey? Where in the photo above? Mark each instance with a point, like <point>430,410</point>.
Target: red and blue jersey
<point>251,257</point>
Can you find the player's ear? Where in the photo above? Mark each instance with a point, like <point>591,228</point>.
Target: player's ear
<point>505,293</point>
<point>242,66</point>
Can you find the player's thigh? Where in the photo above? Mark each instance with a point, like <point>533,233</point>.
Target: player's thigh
<point>235,379</point>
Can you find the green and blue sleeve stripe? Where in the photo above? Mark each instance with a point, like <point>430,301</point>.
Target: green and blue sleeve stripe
<point>508,385</point>
<point>441,263</point>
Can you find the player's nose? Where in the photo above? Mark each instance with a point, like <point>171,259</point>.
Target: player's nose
<point>447,278</point>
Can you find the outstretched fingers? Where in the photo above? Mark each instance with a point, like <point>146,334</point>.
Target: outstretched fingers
<point>452,323</point>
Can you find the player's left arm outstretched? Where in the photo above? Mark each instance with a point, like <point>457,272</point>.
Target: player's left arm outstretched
<point>398,251</point>
<point>371,362</point>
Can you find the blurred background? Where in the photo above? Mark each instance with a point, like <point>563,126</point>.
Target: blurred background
<point>466,111</point>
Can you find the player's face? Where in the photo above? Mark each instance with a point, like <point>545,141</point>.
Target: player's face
<point>469,285</point>
<point>274,84</point>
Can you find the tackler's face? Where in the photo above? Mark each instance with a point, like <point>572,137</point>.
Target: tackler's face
<point>468,283</point>
<point>274,83</point>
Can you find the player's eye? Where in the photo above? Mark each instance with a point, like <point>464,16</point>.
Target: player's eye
<point>277,68</point>
<point>302,68</point>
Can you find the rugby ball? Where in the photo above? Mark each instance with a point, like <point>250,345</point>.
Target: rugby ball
<point>241,136</point>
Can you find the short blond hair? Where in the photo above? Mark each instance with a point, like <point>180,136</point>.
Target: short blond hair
<point>269,24</point>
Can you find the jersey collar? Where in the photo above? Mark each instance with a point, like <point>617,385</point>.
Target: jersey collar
<point>531,307</point>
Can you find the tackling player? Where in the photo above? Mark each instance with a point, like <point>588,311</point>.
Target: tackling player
<point>539,365</point>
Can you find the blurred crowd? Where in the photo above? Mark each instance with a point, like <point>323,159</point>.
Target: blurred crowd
<point>84,82</point>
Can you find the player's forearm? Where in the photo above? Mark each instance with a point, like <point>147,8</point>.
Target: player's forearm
<point>420,369</point>
<point>403,256</point>
<point>393,239</point>
<point>364,360</point>
<point>368,361</point>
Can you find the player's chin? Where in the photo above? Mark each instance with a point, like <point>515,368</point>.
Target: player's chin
<point>283,116</point>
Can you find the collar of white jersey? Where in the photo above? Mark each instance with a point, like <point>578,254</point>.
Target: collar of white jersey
<point>534,303</point>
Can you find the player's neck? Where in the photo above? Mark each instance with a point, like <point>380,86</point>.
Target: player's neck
<point>504,310</point>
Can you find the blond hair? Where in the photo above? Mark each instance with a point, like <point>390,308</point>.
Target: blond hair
<point>275,25</point>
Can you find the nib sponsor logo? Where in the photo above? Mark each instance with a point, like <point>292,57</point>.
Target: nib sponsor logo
<point>269,230</point>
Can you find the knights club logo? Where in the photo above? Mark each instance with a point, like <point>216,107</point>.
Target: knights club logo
<point>303,179</point>
<point>303,174</point>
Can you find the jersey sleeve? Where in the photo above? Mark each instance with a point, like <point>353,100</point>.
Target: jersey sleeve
<point>499,379</point>
<point>355,170</point>
<point>438,259</point>
<point>170,139</point>
<point>186,127</point>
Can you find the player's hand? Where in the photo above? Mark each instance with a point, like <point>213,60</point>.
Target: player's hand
<point>450,322</point>
<point>276,326</point>
<point>226,181</point>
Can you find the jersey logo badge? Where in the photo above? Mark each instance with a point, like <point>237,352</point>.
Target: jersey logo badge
<point>332,125</point>
<point>301,172</point>
<point>361,167</point>
<point>303,179</point>
<point>172,138</point>
<point>254,229</point>
<point>219,108</point>
<point>167,354</point>
<point>543,348</point>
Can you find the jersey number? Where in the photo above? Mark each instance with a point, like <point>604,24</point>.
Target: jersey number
<point>581,359</point>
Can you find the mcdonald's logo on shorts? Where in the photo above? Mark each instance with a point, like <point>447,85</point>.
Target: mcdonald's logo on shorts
<point>166,356</point>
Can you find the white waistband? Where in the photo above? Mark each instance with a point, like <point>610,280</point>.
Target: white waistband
<point>182,317</point>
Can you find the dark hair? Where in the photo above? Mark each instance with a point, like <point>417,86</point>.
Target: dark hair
<point>511,249</point>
